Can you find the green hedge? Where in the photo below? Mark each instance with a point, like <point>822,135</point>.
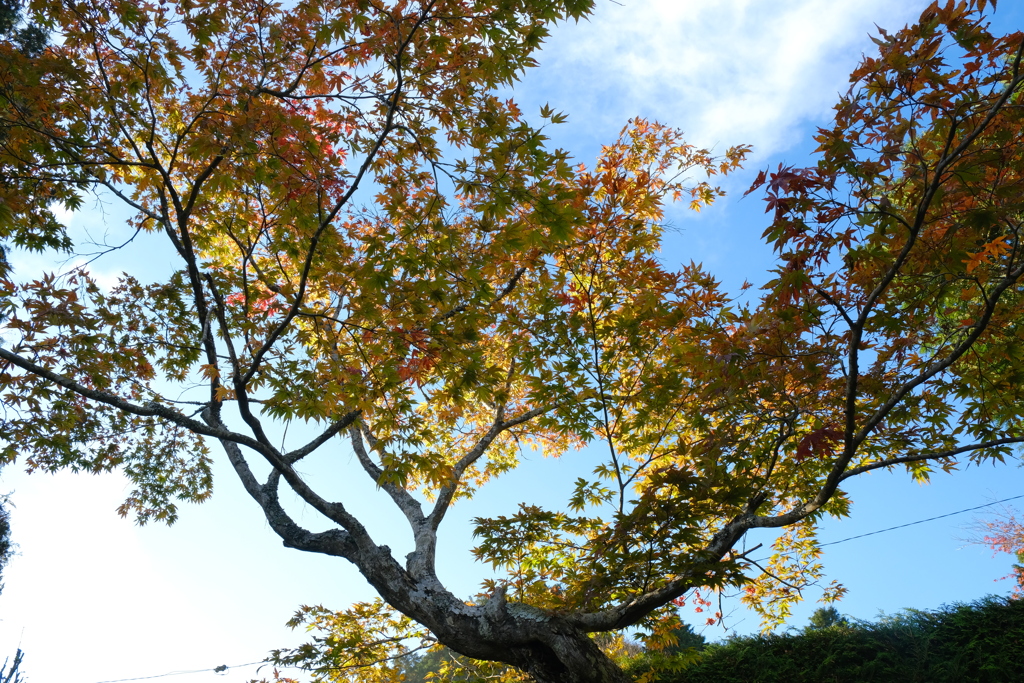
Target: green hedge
<point>982,641</point>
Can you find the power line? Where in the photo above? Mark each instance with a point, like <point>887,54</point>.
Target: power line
<point>217,669</point>
<point>224,667</point>
<point>921,521</point>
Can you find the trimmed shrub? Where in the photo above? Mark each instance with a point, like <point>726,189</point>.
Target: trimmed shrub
<point>961,643</point>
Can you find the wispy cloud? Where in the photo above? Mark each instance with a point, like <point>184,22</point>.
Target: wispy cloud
<point>726,72</point>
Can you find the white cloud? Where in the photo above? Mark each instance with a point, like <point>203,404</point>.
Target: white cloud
<point>62,213</point>
<point>727,72</point>
<point>104,243</point>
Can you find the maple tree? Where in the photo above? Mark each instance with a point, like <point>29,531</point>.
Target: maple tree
<point>371,240</point>
<point>1004,533</point>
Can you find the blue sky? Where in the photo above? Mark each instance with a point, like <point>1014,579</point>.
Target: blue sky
<point>94,598</point>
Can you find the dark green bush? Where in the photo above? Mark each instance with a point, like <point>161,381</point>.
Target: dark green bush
<point>961,643</point>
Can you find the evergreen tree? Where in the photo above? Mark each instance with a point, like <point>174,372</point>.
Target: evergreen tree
<point>29,38</point>
<point>826,617</point>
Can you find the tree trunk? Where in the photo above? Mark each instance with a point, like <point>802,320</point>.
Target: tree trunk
<point>565,655</point>
<point>541,644</point>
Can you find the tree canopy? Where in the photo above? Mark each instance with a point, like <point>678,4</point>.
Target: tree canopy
<point>372,239</point>
<point>826,617</point>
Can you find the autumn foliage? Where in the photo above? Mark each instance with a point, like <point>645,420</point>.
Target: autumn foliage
<point>370,243</point>
<point>1004,533</point>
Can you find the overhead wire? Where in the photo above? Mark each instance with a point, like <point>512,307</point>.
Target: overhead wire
<point>217,669</point>
<point>921,521</point>
<point>223,667</point>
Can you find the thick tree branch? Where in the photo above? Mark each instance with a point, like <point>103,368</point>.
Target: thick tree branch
<point>333,430</point>
<point>337,542</point>
<point>1010,440</point>
<point>409,506</point>
<point>636,608</point>
<point>447,492</point>
<point>147,410</point>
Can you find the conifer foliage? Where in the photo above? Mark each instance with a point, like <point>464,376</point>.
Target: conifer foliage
<point>964,643</point>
